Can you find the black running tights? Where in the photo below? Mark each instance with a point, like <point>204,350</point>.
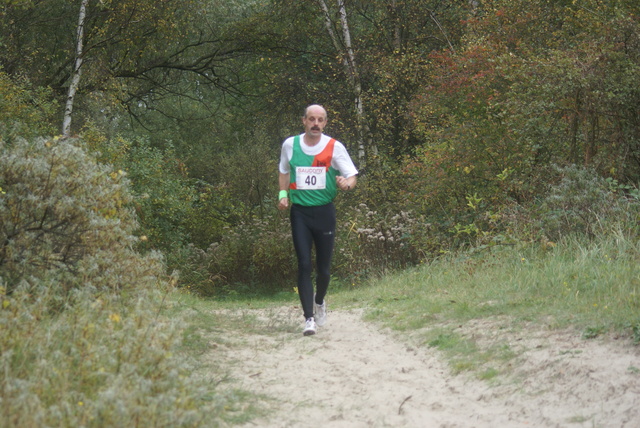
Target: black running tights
<point>313,226</point>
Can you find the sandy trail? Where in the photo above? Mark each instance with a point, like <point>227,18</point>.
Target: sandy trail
<point>352,374</point>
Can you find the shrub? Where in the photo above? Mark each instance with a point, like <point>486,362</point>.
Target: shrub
<point>173,210</point>
<point>107,355</point>
<point>582,202</point>
<point>258,252</point>
<point>371,241</point>
<point>105,361</point>
<point>66,220</point>
<point>25,111</point>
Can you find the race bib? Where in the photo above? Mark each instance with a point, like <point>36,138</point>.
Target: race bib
<point>311,177</point>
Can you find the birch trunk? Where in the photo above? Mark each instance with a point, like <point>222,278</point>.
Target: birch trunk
<point>345,49</point>
<point>77,70</point>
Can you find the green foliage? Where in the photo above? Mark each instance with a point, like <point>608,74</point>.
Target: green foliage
<point>258,252</point>
<point>583,203</point>
<point>370,242</point>
<point>247,177</point>
<point>468,104</point>
<point>164,199</point>
<point>514,100</point>
<point>137,53</point>
<point>210,215</point>
<point>25,111</point>
<point>173,209</point>
<point>103,361</point>
<point>84,338</point>
<point>65,219</point>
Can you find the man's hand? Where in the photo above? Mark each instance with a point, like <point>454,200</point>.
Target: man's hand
<point>346,183</point>
<point>283,204</point>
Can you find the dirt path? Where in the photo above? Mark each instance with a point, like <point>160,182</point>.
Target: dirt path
<point>353,375</point>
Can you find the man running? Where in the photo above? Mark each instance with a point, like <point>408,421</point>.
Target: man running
<point>313,166</point>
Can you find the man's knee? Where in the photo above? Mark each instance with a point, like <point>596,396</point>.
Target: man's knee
<point>305,266</point>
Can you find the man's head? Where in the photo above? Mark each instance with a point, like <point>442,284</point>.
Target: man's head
<point>314,120</point>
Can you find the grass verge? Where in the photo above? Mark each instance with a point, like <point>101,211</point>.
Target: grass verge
<point>590,286</point>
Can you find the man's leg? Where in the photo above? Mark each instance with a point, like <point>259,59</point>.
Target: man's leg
<point>302,242</point>
<point>324,238</point>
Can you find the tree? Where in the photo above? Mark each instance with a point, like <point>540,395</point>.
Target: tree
<point>77,69</point>
<point>133,52</point>
<point>344,48</point>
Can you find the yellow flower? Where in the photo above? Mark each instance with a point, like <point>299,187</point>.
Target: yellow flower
<point>114,317</point>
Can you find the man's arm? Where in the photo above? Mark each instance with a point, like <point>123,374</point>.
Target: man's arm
<point>283,181</point>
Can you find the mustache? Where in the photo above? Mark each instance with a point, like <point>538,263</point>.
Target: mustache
<point>315,128</point>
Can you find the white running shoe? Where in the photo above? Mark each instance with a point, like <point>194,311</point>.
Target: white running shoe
<point>309,327</point>
<point>320,312</point>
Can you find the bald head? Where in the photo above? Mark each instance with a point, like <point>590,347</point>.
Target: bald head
<point>315,110</point>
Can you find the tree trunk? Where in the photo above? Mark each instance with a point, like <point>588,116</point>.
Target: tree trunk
<point>397,28</point>
<point>444,33</point>
<point>345,49</point>
<point>575,129</point>
<point>77,69</point>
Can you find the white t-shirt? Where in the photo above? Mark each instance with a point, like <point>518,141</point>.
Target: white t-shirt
<point>340,161</point>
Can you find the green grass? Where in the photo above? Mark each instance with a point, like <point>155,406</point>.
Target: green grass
<point>593,287</point>
<point>587,286</point>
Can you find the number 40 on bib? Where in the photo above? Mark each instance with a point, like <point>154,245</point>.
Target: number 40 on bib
<point>311,177</point>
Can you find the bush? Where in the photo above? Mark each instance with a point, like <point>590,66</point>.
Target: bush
<point>162,195</point>
<point>257,253</point>
<point>582,202</point>
<point>107,355</point>
<point>371,241</point>
<point>66,221</point>
<point>174,211</point>
<point>25,111</point>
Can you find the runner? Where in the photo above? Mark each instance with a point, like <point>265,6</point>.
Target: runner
<point>313,166</point>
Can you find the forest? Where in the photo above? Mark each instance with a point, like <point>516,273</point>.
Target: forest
<point>472,123</point>
<point>139,145</point>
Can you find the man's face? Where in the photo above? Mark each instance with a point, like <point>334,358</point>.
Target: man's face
<point>314,121</point>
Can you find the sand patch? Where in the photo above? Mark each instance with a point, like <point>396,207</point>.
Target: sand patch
<point>353,374</point>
